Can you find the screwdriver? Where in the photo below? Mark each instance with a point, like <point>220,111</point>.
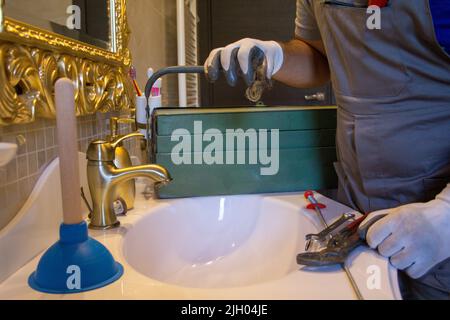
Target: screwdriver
<point>314,204</point>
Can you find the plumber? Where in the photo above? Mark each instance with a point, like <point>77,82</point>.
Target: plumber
<point>392,86</point>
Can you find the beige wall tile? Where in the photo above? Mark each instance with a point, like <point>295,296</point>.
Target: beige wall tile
<point>32,163</point>
<point>2,177</point>
<point>31,141</point>
<point>22,166</point>
<point>11,171</point>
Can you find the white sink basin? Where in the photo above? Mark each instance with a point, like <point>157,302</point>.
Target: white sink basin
<point>218,242</point>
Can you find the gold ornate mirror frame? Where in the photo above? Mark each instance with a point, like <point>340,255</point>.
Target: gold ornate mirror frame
<point>32,59</point>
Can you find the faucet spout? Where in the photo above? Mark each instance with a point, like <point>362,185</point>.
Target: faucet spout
<point>156,173</point>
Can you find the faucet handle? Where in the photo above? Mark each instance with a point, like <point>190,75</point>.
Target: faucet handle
<point>114,125</point>
<point>101,150</point>
<point>119,139</point>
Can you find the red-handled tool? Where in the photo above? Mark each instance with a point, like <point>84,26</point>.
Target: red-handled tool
<point>316,206</point>
<point>309,195</point>
<point>379,3</point>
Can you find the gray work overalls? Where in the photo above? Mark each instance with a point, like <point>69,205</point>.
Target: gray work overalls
<point>392,88</point>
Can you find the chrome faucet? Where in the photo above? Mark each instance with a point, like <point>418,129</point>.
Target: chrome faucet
<point>105,178</point>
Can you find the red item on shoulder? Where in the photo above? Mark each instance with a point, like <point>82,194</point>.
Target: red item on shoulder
<point>379,3</point>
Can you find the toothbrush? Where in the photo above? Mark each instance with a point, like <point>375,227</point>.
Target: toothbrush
<point>133,75</point>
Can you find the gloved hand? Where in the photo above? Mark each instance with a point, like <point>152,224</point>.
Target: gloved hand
<point>244,58</point>
<point>415,237</point>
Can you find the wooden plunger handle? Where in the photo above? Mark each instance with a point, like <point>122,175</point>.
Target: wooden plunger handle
<point>66,128</point>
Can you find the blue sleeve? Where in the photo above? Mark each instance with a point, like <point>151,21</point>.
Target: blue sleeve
<point>440,10</point>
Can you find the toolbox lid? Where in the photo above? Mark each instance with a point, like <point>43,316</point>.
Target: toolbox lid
<point>167,120</point>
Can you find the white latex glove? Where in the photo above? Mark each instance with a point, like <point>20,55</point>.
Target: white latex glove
<point>243,58</point>
<point>415,237</point>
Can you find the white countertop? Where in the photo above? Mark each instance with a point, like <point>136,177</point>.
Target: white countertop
<point>329,283</point>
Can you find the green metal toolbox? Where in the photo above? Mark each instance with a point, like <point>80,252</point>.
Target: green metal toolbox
<point>229,151</point>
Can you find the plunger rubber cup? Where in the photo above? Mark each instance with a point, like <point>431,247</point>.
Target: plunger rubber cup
<point>76,263</point>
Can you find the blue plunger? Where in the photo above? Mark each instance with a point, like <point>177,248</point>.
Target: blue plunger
<point>76,263</point>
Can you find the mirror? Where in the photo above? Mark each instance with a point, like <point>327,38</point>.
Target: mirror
<point>43,40</point>
<point>87,21</point>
